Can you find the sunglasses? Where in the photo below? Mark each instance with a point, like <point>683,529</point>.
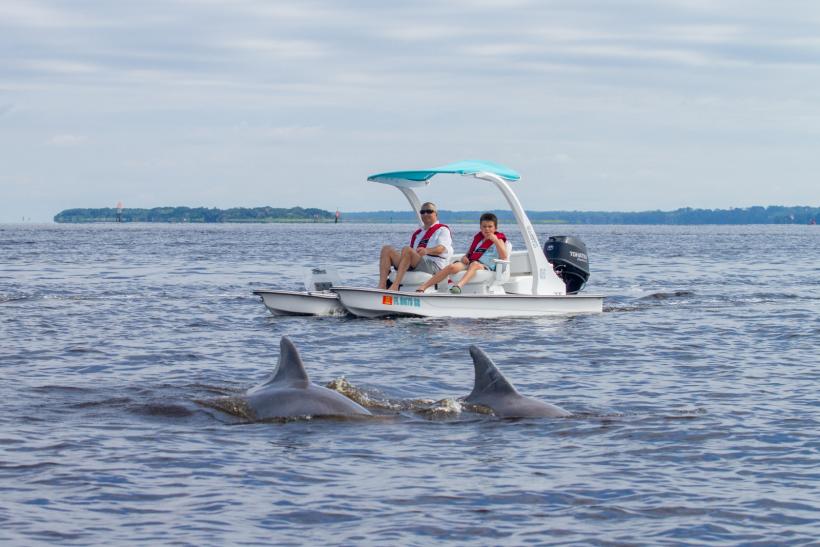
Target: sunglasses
<point>427,211</point>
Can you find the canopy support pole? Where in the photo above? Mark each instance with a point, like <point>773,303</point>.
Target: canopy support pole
<point>544,279</point>
<point>415,204</point>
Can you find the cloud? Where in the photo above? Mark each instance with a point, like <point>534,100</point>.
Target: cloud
<point>560,89</point>
<point>281,9</point>
<point>58,66</point>
<point>422,33</point>
<point>287,49</point>
<point>501,49</point>
<point>290,132</point>
<point>703,34</point>
<point>633,54</point>
<point>67,139</point>
<point>33,14</point>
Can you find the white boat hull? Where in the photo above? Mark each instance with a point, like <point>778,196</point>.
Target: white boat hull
<point>380,303</point>
<point>301,302</point>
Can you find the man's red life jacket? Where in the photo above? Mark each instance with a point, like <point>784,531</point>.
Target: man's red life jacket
<point>477,250</point>
<point>427,235</point>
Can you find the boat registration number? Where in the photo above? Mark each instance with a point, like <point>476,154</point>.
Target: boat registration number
<point>398,300</point>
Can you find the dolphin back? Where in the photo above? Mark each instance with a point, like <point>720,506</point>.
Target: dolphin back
<point>488,379</point>
<point>288,392</point>
<point>290,368</point>
<point>278,401</point>
<point>493,390</point>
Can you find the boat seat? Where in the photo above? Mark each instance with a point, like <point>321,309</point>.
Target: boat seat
<point>415,278</point>
<point>520,281</point>
<point>520,263</point>
<point>486,281</point>
<point>411,281</point>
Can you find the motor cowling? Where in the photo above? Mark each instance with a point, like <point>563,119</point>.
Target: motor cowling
<point>568,256</point>
<point>320,279</point>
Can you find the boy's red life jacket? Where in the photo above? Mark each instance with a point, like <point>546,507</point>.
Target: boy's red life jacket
<point>427,235</point>
<point>477,250</point>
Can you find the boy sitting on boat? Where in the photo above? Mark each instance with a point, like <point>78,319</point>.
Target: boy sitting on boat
<point>431,247</point>
<point>488,244</point>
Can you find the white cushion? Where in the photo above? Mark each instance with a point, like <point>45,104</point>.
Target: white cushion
<point>415,278</point>
<point>481,276</point>
<point>520,263</point>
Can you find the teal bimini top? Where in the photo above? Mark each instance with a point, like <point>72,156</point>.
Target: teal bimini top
<point>467,167</point>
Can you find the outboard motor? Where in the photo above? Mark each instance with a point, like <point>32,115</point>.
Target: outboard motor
<point>320,279</point>
<point>568,256</point>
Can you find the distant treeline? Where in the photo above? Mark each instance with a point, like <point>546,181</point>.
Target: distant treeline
<point>773,214</point>
<point>196,214</point>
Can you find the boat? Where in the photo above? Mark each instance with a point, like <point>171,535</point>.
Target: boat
<point>281,302</point>
<point>531,282</point>
<point>316,299</point>
<point>377,303</point>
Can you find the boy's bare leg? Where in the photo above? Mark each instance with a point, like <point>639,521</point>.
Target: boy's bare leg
<point>441,275</point>
<point>471,270</point>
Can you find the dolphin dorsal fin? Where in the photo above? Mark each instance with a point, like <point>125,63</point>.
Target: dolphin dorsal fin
<point>290,367</point>
<point>488,379</point>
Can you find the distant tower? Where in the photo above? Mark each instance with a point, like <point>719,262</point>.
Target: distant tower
<point>338,215</point>
<point>119,211</point>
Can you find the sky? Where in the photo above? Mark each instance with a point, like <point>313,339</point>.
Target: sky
<point>621,105</point>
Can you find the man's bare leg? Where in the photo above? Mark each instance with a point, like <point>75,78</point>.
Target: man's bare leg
<point>409,257</point>
<point>389,258</point>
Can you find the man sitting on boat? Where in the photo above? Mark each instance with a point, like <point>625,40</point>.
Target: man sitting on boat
<point>488,245</point>
<point>431,247</point>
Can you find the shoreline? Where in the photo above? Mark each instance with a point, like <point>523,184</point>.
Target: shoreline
<point>399,223</point>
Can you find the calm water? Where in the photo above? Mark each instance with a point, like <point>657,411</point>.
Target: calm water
<point>695,394</point>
